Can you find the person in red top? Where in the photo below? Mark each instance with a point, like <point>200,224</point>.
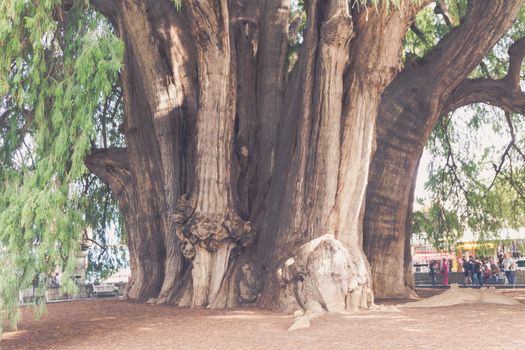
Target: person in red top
<point>444,271</point>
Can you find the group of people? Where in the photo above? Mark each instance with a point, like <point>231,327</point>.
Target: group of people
<point>477,270</point>
<point>443,268</point>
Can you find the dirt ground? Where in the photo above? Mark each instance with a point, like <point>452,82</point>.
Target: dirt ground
<point>116,324</point>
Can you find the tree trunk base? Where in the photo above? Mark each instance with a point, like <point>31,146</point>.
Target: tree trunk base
<point>325,276</point>
<point>238,285</point>
<point>392,286</point>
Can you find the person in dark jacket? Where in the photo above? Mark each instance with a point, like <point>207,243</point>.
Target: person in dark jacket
<point>479,271</point>
<point>466,272</point>
<point>472,270</point>
<point>432,271</point>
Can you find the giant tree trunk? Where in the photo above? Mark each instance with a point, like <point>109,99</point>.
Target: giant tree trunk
<point>241,182</point>
<point>318,255</point>
<point>410,109</point>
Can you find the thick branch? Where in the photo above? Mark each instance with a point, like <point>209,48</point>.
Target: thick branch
<point>111,166</point>
<point>505,93</point>
<point>499,93</point>
<point>105,7</point>
<point>465,46</point>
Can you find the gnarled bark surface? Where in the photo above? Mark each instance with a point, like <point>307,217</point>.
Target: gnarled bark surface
<point>326,162</point>
<point>242,182</point>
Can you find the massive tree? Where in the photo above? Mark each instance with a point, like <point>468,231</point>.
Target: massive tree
<point>245,169</point>
<point>190,138</point>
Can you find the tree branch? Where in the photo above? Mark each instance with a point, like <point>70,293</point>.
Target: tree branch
<point>464,47</point>
<point>497,93</point>
<point>498,168</point>
<point>516,56</point>
<point>105,7</point>
<point>103,247</point>
<point>111,166</point>
<point>505,93</point>
<point>419,33</point>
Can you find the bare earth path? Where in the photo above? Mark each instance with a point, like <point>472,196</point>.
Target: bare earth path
<point>114,324</point>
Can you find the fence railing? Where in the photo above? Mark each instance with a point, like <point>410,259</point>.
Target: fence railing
<point>84,291</point>
<point>459,277</point>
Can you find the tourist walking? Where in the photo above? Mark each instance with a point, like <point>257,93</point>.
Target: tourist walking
<point>444,271</point>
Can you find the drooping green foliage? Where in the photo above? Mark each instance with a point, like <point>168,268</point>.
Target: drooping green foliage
<point>474,183</point>
<point>57,65</point>
<point>106,236</point>
<point>475,178</point>
<point>442,227</point>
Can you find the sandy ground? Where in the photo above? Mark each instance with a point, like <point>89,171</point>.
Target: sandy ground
<point>115,324</point>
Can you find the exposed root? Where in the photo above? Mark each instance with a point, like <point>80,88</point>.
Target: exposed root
<point>325,276</point>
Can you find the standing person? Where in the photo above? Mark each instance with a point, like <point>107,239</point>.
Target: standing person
<point>513,270</point>
<point>432,272</point>
<point>444,271</point>
<point>494,271</point>
<point>507,267</point>
<point>500,261</point>
<point>479,271</point>
<point>472,270</point>
<point>466,272</point>
<point>54,283</point>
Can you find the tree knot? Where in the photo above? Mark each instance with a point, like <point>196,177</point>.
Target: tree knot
<point>210,230</point>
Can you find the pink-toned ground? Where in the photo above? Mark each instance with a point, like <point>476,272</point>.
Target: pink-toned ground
<point>115,324</point>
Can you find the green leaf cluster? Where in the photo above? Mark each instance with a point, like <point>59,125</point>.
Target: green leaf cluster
<point>57,65</point>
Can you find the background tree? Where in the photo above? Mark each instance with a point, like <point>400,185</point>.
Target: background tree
<point>484,193</point>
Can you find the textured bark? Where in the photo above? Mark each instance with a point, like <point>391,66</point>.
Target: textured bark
<point>410,108</point>
<point>241,183</point>
<point>318,259</point>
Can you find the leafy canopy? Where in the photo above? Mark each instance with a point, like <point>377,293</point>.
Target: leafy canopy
<point>57,66</point>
